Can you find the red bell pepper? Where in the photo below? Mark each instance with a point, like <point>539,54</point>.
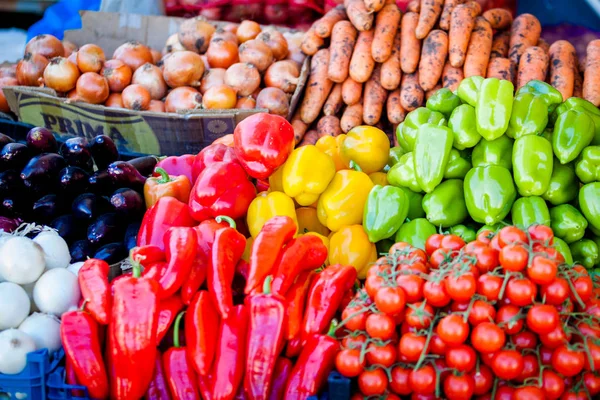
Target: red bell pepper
<point>147,254</point>
<point>167,312</point>
<point>221,189</point>
<point>216,152</point>
<point>178,165</point>
<point>81,342</point>
<point>265,339</point>
<point>227,251</point>
<point>180,244</point>
<point>95,289</point>
<point>132,336</point>
<point>155,270</point>
<point>267,248</point>
<point>231,352</point>
<point>314,364</point>
<point>262,185</point>
<point>295,304</point>
<point>180,375</point>
<point>283,367</point>
<point>262,142</point>
<point>166,213</point>
<point>158,389</point>
<point>205,386</point>
<point>201,322</point>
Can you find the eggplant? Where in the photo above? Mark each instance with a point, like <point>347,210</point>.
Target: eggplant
<point>15,206</point>
<point>81,250</point>
<point>41,140</point>
<point>145,165</point>
<point>100,182</point>
<point>73,180</point>
<point>41,173</point>
<point>130,240</point>
<point>124,175</point>
<point>5,139</point>
<point>112,253</point>
<point>10,182</point>
<point>76,153</point>
<point>47,208</point>
<point>68,227</point>
<point>107,228</point>
<point>128,202</point>
<point>88,206</point>
<point>104,151</point>
<point>14,156</point>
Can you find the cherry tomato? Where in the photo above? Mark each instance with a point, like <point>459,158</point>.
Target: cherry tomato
<point>489,286</point>
<point>412,285</point>
<point>508,318</point>
<point>582,283</point>
<point>419,315</point>
<point>452,242</point>
<point>405,252</point>
<point>542,270</point>
<point>423,380</point>
<point>439,258</point>
<point>495,244</point>
<point>485,236</point>
<point>462,287</point>
<point>359,319</point>
<point>462,358</point>
<point>546,355</point>
<point>438,346</point>
<point>487,259</point>
<point>594,350</point>
<point>504,393</point>
<point>458,387</point>
<point>373,283</point>
<point>542,234</point>
<point>399,383</point>
<point>372,383</point>
<point>433,243</point>
<point>592,383</point>
<point>435,293</point>
<point>531,368</point>
<point>511,234</point>
<point>380,326</point>
<point>390,300</point>
<point>487,337</point>
<point>553,385</point>
<point>570,395</point>
<point>542,318</point>
<point>528,393</point>
<point>354,341</point>
<point>556,292</point>
<point>487,358</point>
<point>381,355</point>
<point>521,291</point>
<point>587,330</point>
<point>412,346</point>
<point>481,311</point>
<point>453,330</point>
<point>507,364</point>
<point>484,380</point>
<point>347,363</point>
<point>513,257</point>
<point>524,340</point>
<point>555,338</point>
<point>568,362</point>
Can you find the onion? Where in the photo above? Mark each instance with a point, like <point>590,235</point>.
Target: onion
<point>44,329</point>
<point>29,290</point>
<point>14,346</point>
<point>21,260</point>
<point>256,52</point>
<point>283,75</point>
<point>30,69</point>
<point>15,305</point>
<point>276,42</point>
<point>156,106</point>
<point>3,83</point>
<point>222,34</point>
<point>247,30</point>
<point>150,77</point>
<point>183,68</point>
<point>183,98</point>
<point>156,56</point>
<point>75,267</point>
<point>73,57</point>
<point>45,45</point>
<point>69,47</point>
<point>294,41</point>
<point>205,61</point>
<point>222,53</point>
<point>61,74</point>
<point>243,77</point>
<point>230,27</point>
<point>212,77</point>
<point>134,54</point>
<point>56,250</point>
<point>173,44</point>
<point>219,97</point>
<point>92,88</point>
<point>118,75</point>
<point>114,100</point>
<point>246,103</point>
<point>57,291</point>
<point>90,58</point>
<point>274,100</point>
<point>195,33</point>
<point>136,97</point>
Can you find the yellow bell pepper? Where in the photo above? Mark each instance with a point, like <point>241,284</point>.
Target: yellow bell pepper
<point>379,178</point>
<point>367,146</point>
<point>308,221</point>
<point>267,205</point>
<point>306,174</point>
<point>343,201</point>
<point>333,146</point>
<point>276,181</point>
<point>325,241</point>
<point>350,246</point>
<point>248,249</point>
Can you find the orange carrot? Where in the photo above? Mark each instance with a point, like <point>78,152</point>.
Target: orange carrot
<point>353,116</point>
<point>431,92</point>
<point>544,45</point>
<point>324,25</point>
<point>310,137</point>
<point>411,94</point>
<point>562,67</point>
<point>500,44</point>
<point>334,103</point>
<point>311,42</point>
<point>299,127</point>
<point>429,14</point>
<point>499,18</point>
<point>410,46</point>
<point>342,43</point>
<point>357,12</point>
<point>500,68</point>
<point>395,112</point>
<point>390,69</point>
<point>533,65</point>
<point>451,76</point>
<point>329,125</point>
<point>317,87</point>
<point>386,26</point>
<point>525,32</point>
<point>374,98</point>
<point>591,79</point>
<point>433,58</point>
<point>447,13</point>
<point>374,5</point>
<point>480,46</point>
<point>351,91</point>
<point>362,63</point>
<point>414,6</point>
<point>462,23</point>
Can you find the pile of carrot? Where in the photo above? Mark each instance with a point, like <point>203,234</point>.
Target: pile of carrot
<point>372,64</point>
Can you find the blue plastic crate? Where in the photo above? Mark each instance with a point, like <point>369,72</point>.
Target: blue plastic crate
<point>59,390</point>
<point>338,388</point>
<point>31,382</point>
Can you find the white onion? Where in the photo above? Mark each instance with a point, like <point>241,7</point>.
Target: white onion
<point>21,260</point>
<point>75,267</point>
<point>29,290</point>
<point>44,329</point>
<point>14,305</point>
<point>56,291</point>
<point>56,250</point>
<point>14,346</point>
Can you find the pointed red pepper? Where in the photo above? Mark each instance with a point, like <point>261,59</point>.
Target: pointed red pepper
<point>178,165</point>
<point>158,389</point>
<point>295,304</point>
<point>180,375</point>
<point>283,367</point>
<point>166,213</point>
<point>95,289</point>
<point>154,270</point>
<point>201,322</point>
<point>167,312</point>
<point>180,245</point>
<point>71,378</point>
<point>216,152</point>
<point>205,386</point>
<point>147,254</point>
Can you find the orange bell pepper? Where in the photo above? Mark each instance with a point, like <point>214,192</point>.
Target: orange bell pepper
<point>166,185</point>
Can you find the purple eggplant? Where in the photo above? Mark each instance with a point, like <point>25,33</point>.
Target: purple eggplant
<point>5,139</point>
<point>131,233</point>
<point>47,208</point>
<point>40,174</point>
<point>107,228</point>
<point>68,227</point>
<point>14,156</point>
<point>128,203</point>
<point>100,182</point>
<point>88,206</point>
<point>124,175</point>
<point>15,206</point>
<point>73,180</point>
<point>10,182</point>
<point>76,153</point>
<point>41,140</point>
<point>145,165</point>
<point>112,253</point>
<point>81,250</point>
<point>103,150</point>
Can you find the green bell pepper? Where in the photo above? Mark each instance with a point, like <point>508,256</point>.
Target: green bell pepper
<point>457,166</point>
<point>468,89</point>
<point>443,101</point>
<point>587,167</point>
<point>431,155</point>
<point>385,211</point>
<point>529,116</point>
<point>462,123</point>
<point>589,204</point>
<point>564,249</point>
<point>573,131</point>
<point>532,165</point>
<point>395,154</point>
<point>415,204</point>
<point>416,232</point>
<point>402,174</point>
<point>568,223</point>
<point>563,186</point>
<point>489,194</point>
<point>407,136</point>
<point>445,206</point>
<point>494,105</point>
<point>466,233</point>
<point>551,96</point>
<point>588,107</point>
<point>585,252</point>
<point>496,152</point>
<point>527,211</point>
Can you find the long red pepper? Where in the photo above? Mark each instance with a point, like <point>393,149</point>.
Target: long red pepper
<point>180,375</point>
<point>71,378</point>
<point>166,213</point>
<point>266,249</point>
<point>295,304</point>
<point>167,312</point>
<point>155,270</point>
<point>158,389</point>
<point>132,336</point>
<point>283,367</point>
<point>80,339</point>
<point>314,364</point>
<point>95,289</point>
<point>228,248</point>
<point>201,322</point>
<point>265,339</point>
<point>205,386</point>
<point>147,254</point>
<point>180,245</point>
<point>231,353</point>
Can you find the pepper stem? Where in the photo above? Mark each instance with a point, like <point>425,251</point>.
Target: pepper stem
<point>227,219</point>
<point>176,329</point>
<point>164,175</point>
<point>267,284</point>
<point>355,166</point>
<point>83,305</point>
<point>135,264</point>
<point>332,328</point>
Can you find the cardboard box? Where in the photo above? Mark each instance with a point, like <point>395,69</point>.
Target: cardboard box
<point>141,132</point>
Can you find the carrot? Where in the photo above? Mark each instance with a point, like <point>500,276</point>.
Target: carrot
<point>317,87</point>
<point>499,18</point>
<point>578,83</point>
<point>447,13</point>
<point>353,116</point>
<point>390,69</point>
<point>374,5</point>
<point>357,12</point>
<point>451,76</point>
<point>333,104</point>
<point>544,45</point>
<point>431,92</point>
<point>525,32</point>
<point>374,98</point>
<point>462,22</point>
<point>324,25</point>
<point>591,79</point>
<point>329,125</point>
<point>433,58</point>
<point>411,94</point>
<point>480,46</point>
<point>342,43</point>
<point>386,26</point>
<point>414,6</point>
<point>311,137</point>
<point>429,14</point>
<point>500,68</point>
<point>533,65</point>
<point>311,42</point>
<point>410,46</point>
<point>299,127</point>
<point>476,7</point>
<point>395,112</point>
<point>351,91</point>
<point>562,67</point>
<point>500,44</point>
<point>362,63</point>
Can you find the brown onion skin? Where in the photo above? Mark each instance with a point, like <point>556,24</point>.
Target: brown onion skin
<point>276,42</point>
<point>256,52</point>
<point>31,69</point>
<point>150,77</point>
<point>118,74</point>
<point>275,100</point>
<point>45,45</point>
<point>134,54</point>
<point>195,34</point>
<point>283,75</point>
<point>243,77</point>
<point>294,40</point>
<point>156,106</point>
<point>92,88</point>
<point>247,30</point>
<point>114,100</point>
<point>69,47</point>
<point>245,103</point>
<point>61,74</point>
<point>73,57</point>
<point>183,68</point>
<point>220,97</point>
<point>7,81</point>
<point>229,36</point>
<point>212,77</point>
<point>183,98</point>
<point>136,97</point>
<point>205,61</point>
<point>222,53</point>
<point>90,58</point>
<point>156,56</point>
<point>231,27</point>
<point>173,44</point>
